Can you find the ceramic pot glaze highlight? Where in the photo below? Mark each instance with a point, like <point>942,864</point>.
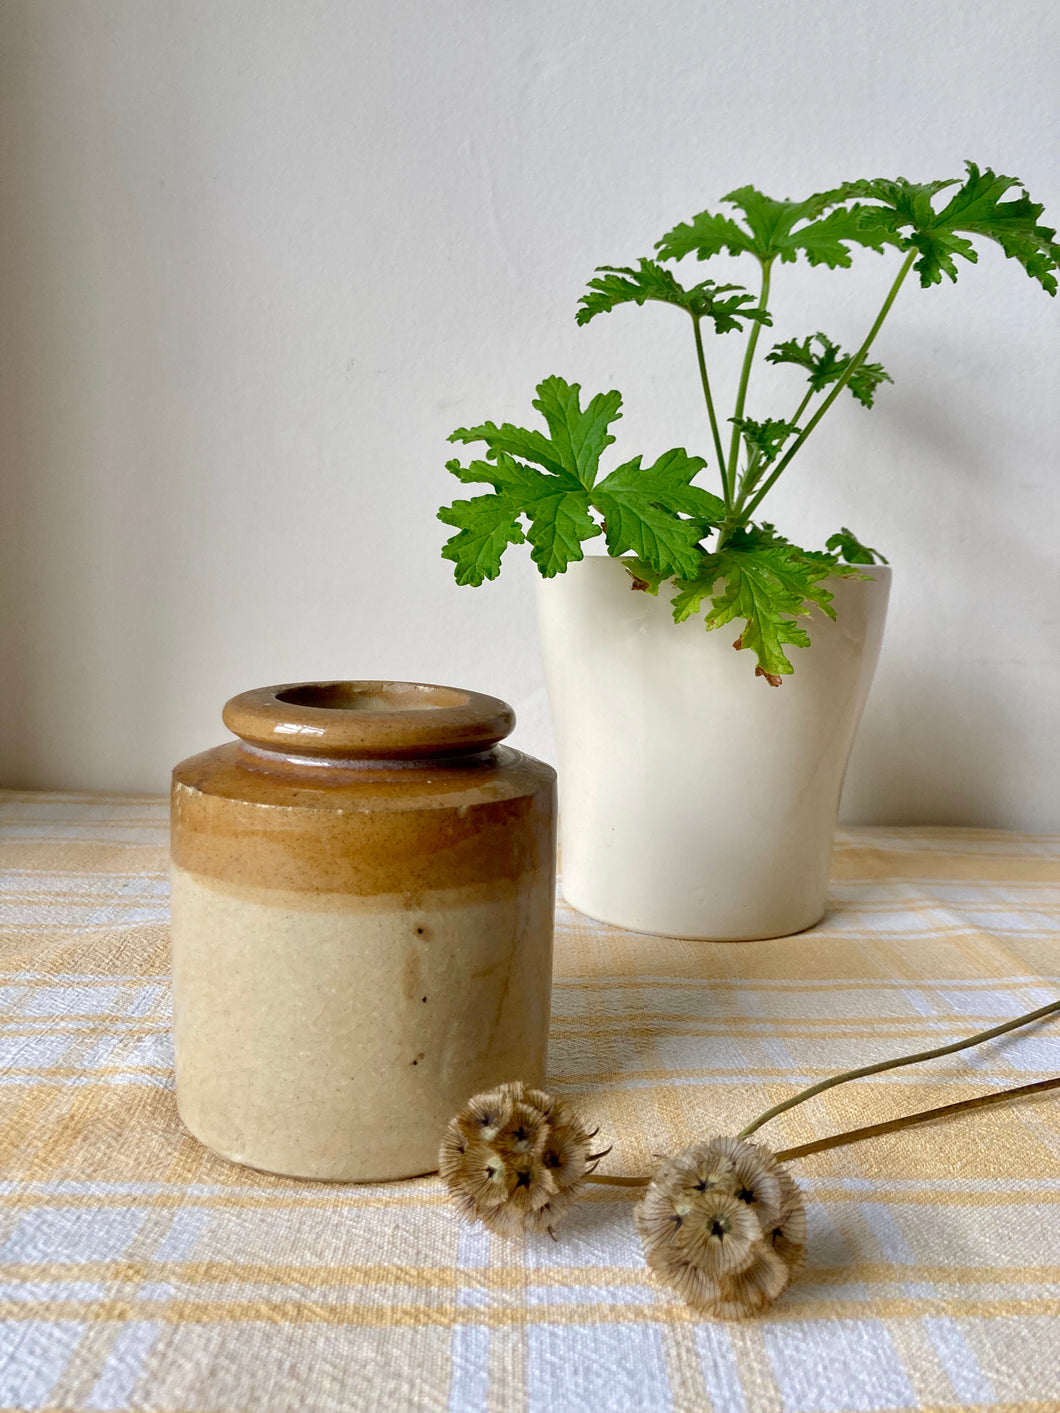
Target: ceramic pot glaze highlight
<point>697,801</point>
<point>363,890</point>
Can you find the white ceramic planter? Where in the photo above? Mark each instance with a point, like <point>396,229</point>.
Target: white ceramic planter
<point>696,800</point>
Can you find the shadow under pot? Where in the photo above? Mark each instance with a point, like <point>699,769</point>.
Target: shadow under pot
<point>363,889</point>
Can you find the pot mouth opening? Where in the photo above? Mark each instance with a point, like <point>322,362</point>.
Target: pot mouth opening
<point>368,720</point>
<point>373,696</point>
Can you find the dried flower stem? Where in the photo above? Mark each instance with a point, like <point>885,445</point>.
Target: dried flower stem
<point>891,1125</point>
<point>616,1180</point>
<point>882,1065</point>
<point>856,1135</point>
<point>724,1223</point>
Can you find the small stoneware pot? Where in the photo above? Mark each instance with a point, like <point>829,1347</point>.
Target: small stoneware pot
<point>363,889</point>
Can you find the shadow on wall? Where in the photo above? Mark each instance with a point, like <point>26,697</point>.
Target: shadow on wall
<point>96,401</point>
<point>919,757</point>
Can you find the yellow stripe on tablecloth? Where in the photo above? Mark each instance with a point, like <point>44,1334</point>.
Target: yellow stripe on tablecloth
<point>301,1311</point>
<point>909,1036</point>
<point>88,858</point>
<point>219,1202</point>
<point>338,1274</point>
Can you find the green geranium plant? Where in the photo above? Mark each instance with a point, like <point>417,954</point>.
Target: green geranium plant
<point>710,546</point>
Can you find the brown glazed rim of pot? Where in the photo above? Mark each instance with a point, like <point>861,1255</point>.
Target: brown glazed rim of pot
<point>368,720</point>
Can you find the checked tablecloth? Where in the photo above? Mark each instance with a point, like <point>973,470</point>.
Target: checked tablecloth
<point>139,1272</point>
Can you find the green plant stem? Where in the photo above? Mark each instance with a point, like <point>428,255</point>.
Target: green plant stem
<point>815,1089</point>
<point>726,488</point>
<point>837,388</point>
<point>745,372</point>
<point>802,407</point>
<point>746,490</point>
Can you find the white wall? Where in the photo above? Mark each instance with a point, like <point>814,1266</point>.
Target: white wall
<point>260,258</point>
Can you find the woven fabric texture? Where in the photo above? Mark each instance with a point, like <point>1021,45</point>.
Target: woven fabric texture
<point>137,1271</point>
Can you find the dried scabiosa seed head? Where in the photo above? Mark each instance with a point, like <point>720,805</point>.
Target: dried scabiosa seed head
<point>723,1224</point>
<point>513,1159</point>
<point>755,1177</point>
<point>788,1236</point>
<point>752,1290</point>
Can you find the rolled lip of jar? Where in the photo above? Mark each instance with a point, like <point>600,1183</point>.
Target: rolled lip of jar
<point>368,720</point>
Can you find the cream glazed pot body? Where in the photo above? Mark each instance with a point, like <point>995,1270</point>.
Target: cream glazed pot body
<point>695,799</point>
